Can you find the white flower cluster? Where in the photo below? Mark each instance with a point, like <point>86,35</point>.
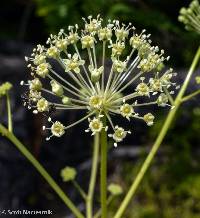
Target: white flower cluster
<point>83,85</point>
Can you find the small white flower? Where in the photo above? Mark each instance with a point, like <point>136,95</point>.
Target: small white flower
<point>42,105</point>
<point>87,41</point>
<point>95,125</point>
<point>72,38</point>
<point>150,62</point>
<point>53,52</point>
<point>149,118</point>
<point>93,25</point>
<point>34,95</point>
<point>39,59</point>
<point>166,78</point>
<point>119,66</point>
<point>162,100</point>
<point>142,89</point>
<point>57,129</point>
<point>119,134</point>
<point>105,34</point>
<point>117,48</point>
<point>126,110</point>
<point>155,85</point>
<point>95,101</point>
<point>42,70</point>
<point>73,64</point>
<point>137,40</point>
<point>95,73</point>
<point>121,34</point>
<point>62,44</point>
<point>144,49</point>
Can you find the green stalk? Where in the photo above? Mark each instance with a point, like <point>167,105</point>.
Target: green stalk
<point>98,213</point>
<point>79,189</point>
<point>158,141</point>
<point>103,171</point>
<point>89,199</point>
<point>10,127</point>
<point>192,95</point>
<point>41,170</point>
<point>103,63</point>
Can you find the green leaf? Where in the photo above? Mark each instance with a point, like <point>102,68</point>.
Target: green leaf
<point>68,174</point>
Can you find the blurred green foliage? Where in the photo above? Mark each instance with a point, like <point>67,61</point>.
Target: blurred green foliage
<point>171,188</point>
<point>158,17</point>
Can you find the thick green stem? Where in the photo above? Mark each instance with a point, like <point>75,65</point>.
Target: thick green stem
<point>10,127</point>
<point>103,171</point>
<point>41,170</point>
<point>89,199</point>
<point>158,141</point>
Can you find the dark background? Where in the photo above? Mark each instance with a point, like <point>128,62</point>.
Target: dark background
<point>172,186</point>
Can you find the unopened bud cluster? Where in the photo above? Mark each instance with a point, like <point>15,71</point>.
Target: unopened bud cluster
<point>4,88</point>
<point>191,16</point>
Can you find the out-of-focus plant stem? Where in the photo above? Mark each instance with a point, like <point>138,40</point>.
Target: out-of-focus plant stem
<point>89,199</point>
<point>9,135</point>
<point>103,171</point>
<point>192,95</point>
<point>79,189</point>
<point>98,213</point>
<point>159,139</point>
<point>10,126</point>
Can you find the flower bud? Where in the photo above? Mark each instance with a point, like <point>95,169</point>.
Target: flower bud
<point>57,88</point>
<point>115,189</point>
<point>35,84</point>
<point>4,88</point>
<point>68,174</point>
<point>66,100</point>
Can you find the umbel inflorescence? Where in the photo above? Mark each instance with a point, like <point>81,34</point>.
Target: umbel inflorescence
<point>191,16</point>
<point>85,84</point>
